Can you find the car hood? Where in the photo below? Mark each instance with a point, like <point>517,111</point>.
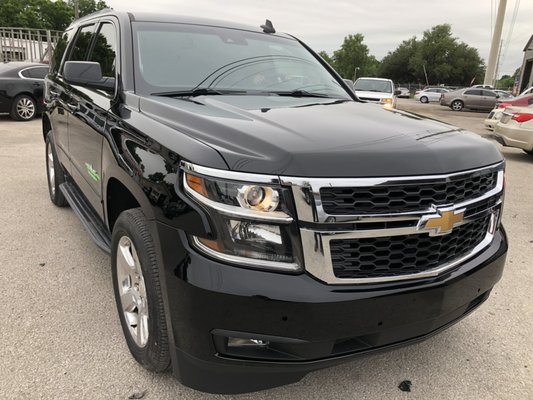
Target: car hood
<point>320,137</point>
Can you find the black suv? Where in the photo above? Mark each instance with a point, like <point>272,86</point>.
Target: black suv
<point>262,221</point>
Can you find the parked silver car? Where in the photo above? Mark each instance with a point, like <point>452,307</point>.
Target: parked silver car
<point>430,94</point>
<point>472,98</point>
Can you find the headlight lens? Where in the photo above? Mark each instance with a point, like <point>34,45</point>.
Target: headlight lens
<point>252,221</point>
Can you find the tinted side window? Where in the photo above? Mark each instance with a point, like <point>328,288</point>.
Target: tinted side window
<point>475,92</point>
<point>489,93</point>
<point>25,73</point>
<point>59,50</point>
<point>82,44</point>
<point>35,73</point>
<point>105,49</point>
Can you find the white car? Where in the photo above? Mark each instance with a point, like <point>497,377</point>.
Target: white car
<point>376,90</point>
<point>404,92</point>
<point>429,94</point>
<point>515,128</point>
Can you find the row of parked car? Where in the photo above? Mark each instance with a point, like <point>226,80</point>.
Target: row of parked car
<point>512,122</point>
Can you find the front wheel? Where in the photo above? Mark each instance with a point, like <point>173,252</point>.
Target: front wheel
<point>138,291</point>
<point>24,108</point>
<point>457,105</point>
<point>424,99</point>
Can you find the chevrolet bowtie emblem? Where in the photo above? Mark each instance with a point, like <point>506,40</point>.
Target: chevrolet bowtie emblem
<point>442,222</point>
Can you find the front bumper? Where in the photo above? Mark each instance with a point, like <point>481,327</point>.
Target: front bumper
<point>310,325</point>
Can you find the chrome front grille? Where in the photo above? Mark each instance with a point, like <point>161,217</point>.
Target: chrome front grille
<point>383,233</point>
<point>376,257</point>
<point>398,197</point>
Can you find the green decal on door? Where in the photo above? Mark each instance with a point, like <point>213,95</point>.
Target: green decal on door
<point>92,172</point>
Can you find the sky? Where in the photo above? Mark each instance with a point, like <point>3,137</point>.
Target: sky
<point>323,24</point>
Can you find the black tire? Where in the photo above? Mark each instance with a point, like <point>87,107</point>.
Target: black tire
<point>457,105</point>
<point>58,176</point>
<point>424,99</point>
<point>23,108</point>
<point>131,227</point>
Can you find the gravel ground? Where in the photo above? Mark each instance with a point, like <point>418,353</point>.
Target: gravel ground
<point>61,339</point>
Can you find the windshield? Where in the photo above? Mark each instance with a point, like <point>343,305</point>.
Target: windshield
<point>178,57</point>
<point>373,85</point>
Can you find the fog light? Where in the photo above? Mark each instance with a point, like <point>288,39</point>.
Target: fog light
<point>240,342</point>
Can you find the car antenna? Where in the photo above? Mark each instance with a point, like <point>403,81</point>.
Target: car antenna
<point>268,27</point>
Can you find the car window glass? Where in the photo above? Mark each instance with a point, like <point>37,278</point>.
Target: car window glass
<point>83,41</point>
<point>25,73</point>
<point>473,92</point>
<point>104,50</point>
<point>59,50</point>
<point>35,73</point>
<point>489,93</point>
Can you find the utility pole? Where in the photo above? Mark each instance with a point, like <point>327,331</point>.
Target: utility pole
<point>498,65</point>
<point>496,38</point>
<point>425,74</point>
<point>76,9</point>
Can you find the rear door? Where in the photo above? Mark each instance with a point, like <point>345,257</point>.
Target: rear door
<point>488,100</point>
<point>56,96</point>
<point>472,98</point>
<point>88,112</point>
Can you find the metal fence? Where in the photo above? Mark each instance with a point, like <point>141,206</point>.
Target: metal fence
<point>21,44</point>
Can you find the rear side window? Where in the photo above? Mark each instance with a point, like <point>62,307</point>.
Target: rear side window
<point>474,92</point>
<point>35,73</point>
<point>489,93</point>
<point>80,51</point>
<point>105,49</point>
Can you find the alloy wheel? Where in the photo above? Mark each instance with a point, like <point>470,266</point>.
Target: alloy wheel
<point>25,108</point>
<point>132,291</point>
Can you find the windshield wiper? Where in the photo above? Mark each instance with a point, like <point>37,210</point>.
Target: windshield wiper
<point>300,93</point>
<point>197,92</point>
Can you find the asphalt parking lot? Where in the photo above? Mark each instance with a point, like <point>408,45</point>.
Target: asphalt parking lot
<point>61,338</point>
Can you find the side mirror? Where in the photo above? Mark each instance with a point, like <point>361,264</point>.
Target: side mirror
<point>397,92</point>
<point>349,83</point>
<point>87,73</point>
<point>497,96</point>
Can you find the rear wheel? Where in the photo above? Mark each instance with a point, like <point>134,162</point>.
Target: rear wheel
<point>424,99</point>
<point>23,108</point>
<point>457,105</point>
<point>54,173</point>
<point>138,291</point>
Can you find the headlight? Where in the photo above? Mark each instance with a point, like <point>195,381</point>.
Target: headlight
<point>252,220</point>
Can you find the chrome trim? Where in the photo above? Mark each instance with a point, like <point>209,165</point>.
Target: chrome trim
<point>238,212</point>
<point>249,262</point>
<point>228,175</point>
<point>317,253</point>
<point>309,207</point>
<point>28,78</point>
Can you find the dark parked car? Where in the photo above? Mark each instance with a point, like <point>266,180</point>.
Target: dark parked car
<point>472,98</point>
<point>262,221</point>
<point>21,89</point>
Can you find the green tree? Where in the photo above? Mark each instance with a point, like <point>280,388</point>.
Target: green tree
<point>445,59</point>
<point>43,14</point>
<point>395,65</point>
<point>88,6</point>
<point>353,55</point>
